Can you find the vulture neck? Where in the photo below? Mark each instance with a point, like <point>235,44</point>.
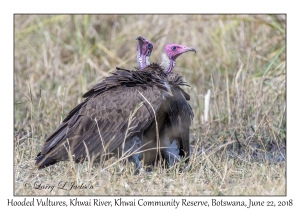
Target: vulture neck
<point>142,59</point>
<point>147,60</point>
<point>167,64</point>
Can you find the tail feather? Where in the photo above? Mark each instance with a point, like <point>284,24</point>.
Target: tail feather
<point>43,162</point>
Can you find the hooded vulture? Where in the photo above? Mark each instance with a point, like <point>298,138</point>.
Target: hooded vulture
<point>141,109</point>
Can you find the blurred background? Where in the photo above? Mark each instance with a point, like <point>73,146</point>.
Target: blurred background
<point>240,61</point>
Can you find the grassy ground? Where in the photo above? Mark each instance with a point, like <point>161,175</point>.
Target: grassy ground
<point>241,60</point>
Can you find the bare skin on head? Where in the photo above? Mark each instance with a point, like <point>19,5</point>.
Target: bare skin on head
<point>144,49</point>
<point>171,52</point>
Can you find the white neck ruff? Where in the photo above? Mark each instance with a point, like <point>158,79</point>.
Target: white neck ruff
<point>166,63</point>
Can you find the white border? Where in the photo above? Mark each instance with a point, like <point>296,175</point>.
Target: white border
<point>153,6</point>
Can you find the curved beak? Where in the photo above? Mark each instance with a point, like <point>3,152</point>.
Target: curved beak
<point>139,38</point>
<point>193,49</point>
<point>185,49</point>
<point>140,44</point>
<point>189,49</point>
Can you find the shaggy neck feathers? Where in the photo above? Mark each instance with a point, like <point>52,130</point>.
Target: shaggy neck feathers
<point>142,60</point>
<point>166,63</point>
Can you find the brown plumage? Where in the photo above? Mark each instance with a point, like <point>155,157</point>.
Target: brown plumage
<point>107,109</point>
<point>173,123</point>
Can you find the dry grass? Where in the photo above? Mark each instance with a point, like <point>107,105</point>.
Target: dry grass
<point>240,150</point>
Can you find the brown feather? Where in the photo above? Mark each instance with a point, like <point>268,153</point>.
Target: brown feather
<point>107,109</point>
<point>110,103</point>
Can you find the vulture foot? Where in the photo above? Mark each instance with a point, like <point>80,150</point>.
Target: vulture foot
<point>171,153</point>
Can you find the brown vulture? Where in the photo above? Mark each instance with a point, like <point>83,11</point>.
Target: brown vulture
<point>173,145</point>
<point>127,108</point>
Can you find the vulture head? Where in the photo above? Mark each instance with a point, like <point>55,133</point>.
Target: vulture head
<point>171,52</point>
<point>144,49</point>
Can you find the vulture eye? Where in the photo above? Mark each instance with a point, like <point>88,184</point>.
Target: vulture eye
<point>150,46</point>
<point>173,48</point>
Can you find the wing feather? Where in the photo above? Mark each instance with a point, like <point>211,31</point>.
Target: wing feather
<point>111,110</point>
